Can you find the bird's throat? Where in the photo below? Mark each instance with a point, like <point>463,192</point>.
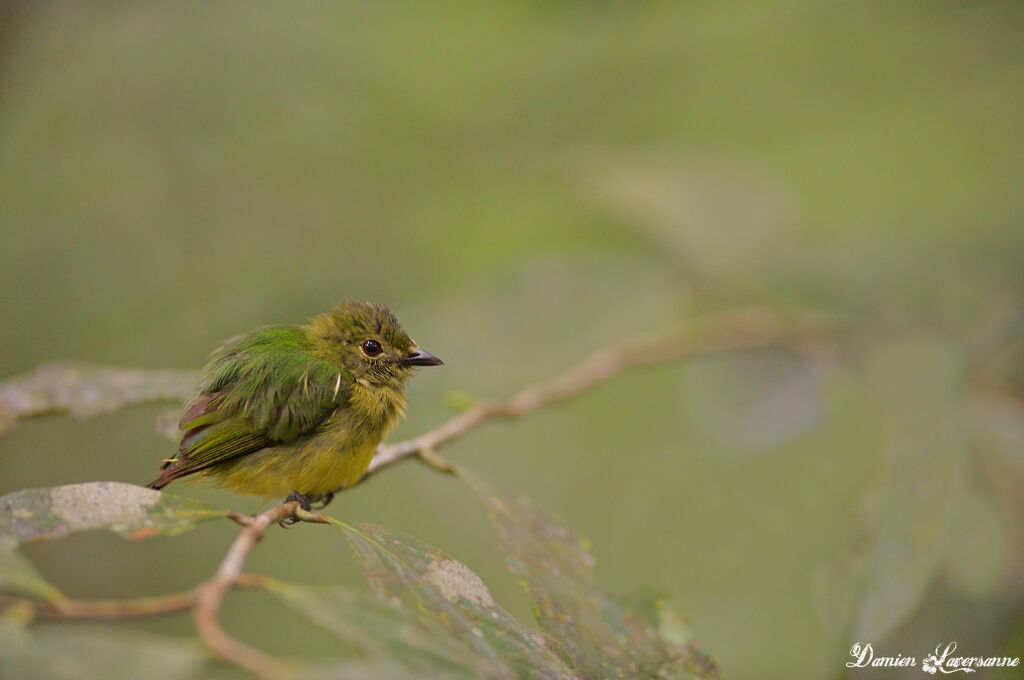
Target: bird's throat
<point>377,406</point>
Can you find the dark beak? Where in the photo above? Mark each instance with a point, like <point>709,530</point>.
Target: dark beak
<point>421,358</point>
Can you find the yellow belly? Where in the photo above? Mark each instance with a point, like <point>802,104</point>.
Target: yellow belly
<point>332,458</point>
<point>328,461</point>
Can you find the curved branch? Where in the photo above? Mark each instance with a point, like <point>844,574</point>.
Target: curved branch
<point>98,610</point>
<point>743,329</point>
<point>87,610</point>
<point>210,594</point>
<point>83,390</point>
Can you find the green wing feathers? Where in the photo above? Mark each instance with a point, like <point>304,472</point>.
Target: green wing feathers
<point>258,390</point>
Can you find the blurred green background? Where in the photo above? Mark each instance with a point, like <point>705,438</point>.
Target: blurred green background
<point>522,182</point>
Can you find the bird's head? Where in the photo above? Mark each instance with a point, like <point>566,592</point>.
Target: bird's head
<point>368,340</point>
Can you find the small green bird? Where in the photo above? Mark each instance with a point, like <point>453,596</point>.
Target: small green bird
<point>298,411</point>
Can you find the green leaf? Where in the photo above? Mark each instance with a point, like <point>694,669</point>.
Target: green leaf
<point>656,610</point>
<point>74,652</point>
<point>390,641</point>
<point>17,574</point>
<point>43,514</point>
<point>604,637</point>
<point>367,669</point>
<point>978,548</point>
<point>908,524</point>
<point>916,383</point>
<point>443,592</point>
<point>83,391</point>
<point>132,511</point>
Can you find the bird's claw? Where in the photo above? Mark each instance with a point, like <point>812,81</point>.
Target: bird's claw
<point>324,501</point>
<point>302,513</point>
<point>303,503</point>
<point>302,500</point>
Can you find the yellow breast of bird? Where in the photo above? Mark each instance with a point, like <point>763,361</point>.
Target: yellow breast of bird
<point>335,457</point>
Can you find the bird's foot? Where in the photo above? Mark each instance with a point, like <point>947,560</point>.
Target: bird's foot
<point>303,501</point>
<point>324,501</point>
<point>304,506</point>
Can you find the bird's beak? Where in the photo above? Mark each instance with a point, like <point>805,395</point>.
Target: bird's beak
<point>420,358</point>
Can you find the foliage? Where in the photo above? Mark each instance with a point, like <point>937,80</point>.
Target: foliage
<point>526,182</point>
<point>433,616</point>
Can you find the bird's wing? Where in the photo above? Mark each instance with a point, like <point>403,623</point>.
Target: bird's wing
<point>258,390</point>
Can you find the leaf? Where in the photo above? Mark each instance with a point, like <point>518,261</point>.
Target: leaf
<point>83,391</point>
<point>754,400</point>
<point>442,591</point>
<point>75,652</point>
<point>604,637</point>
<point>997,426</point>
<point>365,669</point>
<point>656,610</point>
<point>978,551</point>
<point>391,641</point>
<point>916,383</point>
<point>909,524</point>
<point>17,574</point>
<point>132,511</point>
<point>166,424</point>
<point>49,513</point>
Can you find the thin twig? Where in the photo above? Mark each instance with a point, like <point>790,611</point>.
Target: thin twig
<point>101,609</point>
<point>210,595</point>
<point>743,329</point>
<point>90,610</point>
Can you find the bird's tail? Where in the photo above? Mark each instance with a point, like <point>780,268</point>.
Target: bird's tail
<point>167,475</point>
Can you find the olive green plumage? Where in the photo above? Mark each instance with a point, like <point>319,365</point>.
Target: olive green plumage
<point>298,409</point>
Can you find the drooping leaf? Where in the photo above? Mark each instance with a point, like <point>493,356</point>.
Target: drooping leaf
<point>997,426</point>
<point>82,390</point>
<point>978,548</point>
<point>915,381</point>
<point>603,636</point>
<point>375,668</point>
<point>656,609</point>
<point>18,575</point>
<point>390,641</point>
<point>166,424</point>
<point>132,511</point>
<point>908,524</point>
<point>49,513</point>
<point>74,652</point>
<point>444,592</point>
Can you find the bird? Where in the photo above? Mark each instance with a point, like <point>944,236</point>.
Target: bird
<point>297,411</point>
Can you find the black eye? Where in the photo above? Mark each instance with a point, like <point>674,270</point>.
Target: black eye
<point>372,348</point>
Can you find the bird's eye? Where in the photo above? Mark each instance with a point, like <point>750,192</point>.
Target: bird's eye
<point>372,348</point>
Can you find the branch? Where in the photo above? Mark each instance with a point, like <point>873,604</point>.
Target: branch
<point>743,329</point>
<point>204,600</point>
<point>210,594</point>
<point>97,610</point>
<point>82,390</point>
<point>87,610</point>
